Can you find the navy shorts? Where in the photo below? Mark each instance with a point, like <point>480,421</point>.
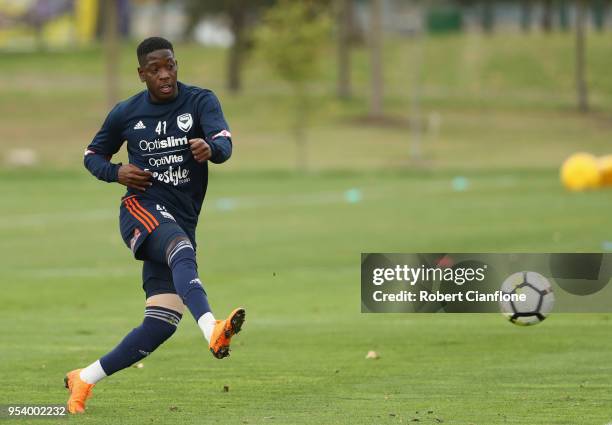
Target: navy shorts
<point>138,218</point>
<point>147,228</point>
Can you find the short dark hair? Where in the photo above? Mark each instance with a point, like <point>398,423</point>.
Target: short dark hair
<point>152,44</point>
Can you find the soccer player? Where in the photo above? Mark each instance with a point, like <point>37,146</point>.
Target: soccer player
<point>172,130</point>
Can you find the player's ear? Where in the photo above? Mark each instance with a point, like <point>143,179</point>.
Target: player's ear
<point>141,74</point>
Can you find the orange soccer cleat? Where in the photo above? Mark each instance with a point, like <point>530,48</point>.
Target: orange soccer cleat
<point>79,390</point>
<point>224,331</point>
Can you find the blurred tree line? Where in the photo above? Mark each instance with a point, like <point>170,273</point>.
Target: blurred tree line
<point>289,34</point>
<point>553,14</point>
<point>293,34</point>
<point>243,16</point>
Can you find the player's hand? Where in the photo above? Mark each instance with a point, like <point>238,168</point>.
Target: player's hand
<point>200,149</point>
<point>134,178</point>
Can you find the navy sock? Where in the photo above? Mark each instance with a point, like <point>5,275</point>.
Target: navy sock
<point>182,262</point>
<point>158,325</point>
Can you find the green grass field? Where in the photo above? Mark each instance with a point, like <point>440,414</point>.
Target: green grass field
<point>287,245</point>
<point>289,251</point>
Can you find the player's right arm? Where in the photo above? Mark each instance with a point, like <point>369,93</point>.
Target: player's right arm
<point>105,144</point>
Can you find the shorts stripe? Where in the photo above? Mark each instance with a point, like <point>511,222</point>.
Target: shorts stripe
<point>143,213</point>
<point>147,213</point>
<point>138,217</point>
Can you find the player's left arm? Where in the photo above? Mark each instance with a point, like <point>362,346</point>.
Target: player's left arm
<point>217,144</point>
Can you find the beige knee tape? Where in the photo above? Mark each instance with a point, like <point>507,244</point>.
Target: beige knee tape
<point>171,301</point>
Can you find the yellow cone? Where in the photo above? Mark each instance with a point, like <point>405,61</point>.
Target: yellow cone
<point>581,171</point>
<point>605,170</point>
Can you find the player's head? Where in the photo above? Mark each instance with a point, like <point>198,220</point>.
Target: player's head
<point>157,68</point>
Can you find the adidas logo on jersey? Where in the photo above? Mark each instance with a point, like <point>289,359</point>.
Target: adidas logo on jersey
<point>139,126</point>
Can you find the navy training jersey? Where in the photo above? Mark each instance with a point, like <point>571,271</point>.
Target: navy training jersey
<point>157,136</point>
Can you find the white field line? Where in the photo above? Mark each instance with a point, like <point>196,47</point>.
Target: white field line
<point>222,205</point>
<point>49,273</point>
<point>45,219</point>
<point>134,270</point>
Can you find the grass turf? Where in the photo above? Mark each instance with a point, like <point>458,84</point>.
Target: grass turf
<point>287,247</point>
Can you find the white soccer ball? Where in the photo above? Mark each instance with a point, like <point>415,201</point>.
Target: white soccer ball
<point>539,298</point>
